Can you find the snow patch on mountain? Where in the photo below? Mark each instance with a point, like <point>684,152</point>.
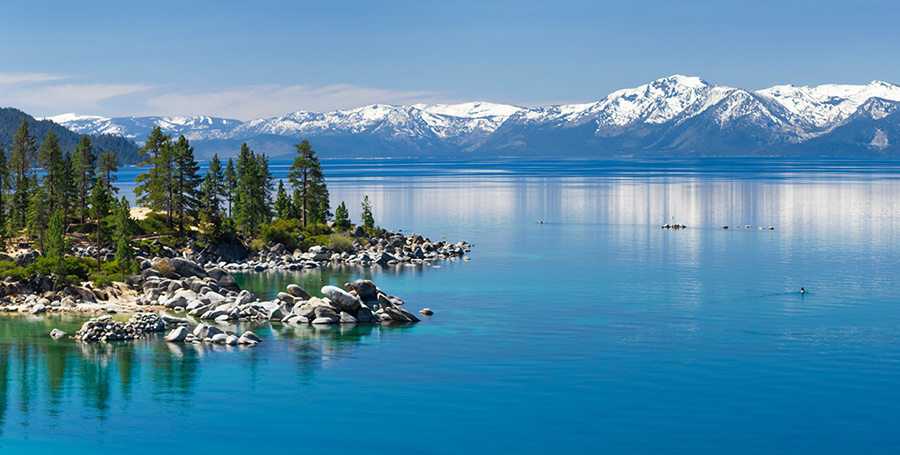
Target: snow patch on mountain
<point>829,104</point>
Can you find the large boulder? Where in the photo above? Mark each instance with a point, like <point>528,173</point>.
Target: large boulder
<point>178,335</point>
<point>187,268</point>
<point>225,280</point>
<point>147,273</point>
<point>365,289</point>
<point>298,292</point>
<point>341,298</point>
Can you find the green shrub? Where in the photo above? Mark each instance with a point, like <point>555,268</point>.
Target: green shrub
<point>80,267</point>
<point>340,243</point>
<point>310,241</point>
<point>281,231</point>
<point>10,269</point>
<point>110,268</point>
<point>100,279</point>
<point>318,229</point>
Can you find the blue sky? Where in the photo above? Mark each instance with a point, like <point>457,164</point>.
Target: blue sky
<point>247,60</point>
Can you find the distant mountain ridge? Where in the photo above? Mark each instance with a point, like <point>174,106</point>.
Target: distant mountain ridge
<point>672,116</point>
<point>11,119</point>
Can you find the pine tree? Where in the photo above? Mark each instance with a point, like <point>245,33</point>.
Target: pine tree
<point>156,187</point>
<point>187,182</point>
<point>21,161</point>
<point>84,163</point>
<point>124,252</point>
<point>57,243</point>
<point>68,199</point>
<point>212,190</point>
<point>341,217</point>
<point>230,181</point>
<point>107,166</point>
<point>306,176</point>
<point>51,160</point>
<point>367,219</point>
<point>100,205</point>
<point>296,205</point>
<point>4,185</point>
<point>254,200</point>
<point>38,215</point>
<point>283,207</point>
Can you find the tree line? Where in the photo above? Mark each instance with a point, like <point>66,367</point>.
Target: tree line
<point>47,195</point>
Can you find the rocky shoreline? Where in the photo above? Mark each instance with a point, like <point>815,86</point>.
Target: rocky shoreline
<point>209,293</point>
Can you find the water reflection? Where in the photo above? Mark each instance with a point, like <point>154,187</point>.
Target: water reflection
<point>47,380</point>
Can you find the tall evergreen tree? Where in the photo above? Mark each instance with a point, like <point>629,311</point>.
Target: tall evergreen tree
<point>283,207</point>
<point>341,217</point>
<point>20,163</point>
<point>212,190</point>
<point>187,182</point>
<point>57,242</point>
<point>253,200</point>
<point>156,187</point>
<point>84,163</point>
<point>52,161</point>
<point>231,183</point>
<point>368,220</point>
<point>124,252</point>
<point>100,206</point>
<point>306,176</point>
<point>4,186</point>
<point>38,215</point>
<point>107,166</point>
<point>68,198</point>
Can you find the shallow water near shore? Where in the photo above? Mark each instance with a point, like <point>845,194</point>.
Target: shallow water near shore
<point>594,331</point>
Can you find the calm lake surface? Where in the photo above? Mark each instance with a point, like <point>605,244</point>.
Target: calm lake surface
<point>594,332</point>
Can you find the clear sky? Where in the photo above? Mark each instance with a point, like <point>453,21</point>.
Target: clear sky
<point>250,59</point>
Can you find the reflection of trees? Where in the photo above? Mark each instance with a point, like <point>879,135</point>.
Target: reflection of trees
<point>333,340</point>
<point>56,372</point>
<point>87,371</point>
<point>4,384</point>
<point>174,369</point>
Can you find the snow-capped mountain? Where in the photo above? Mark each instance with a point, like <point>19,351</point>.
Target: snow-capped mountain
<point>137,128</point>
<point>676,115</point>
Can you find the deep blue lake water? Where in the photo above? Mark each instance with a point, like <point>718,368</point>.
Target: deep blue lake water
<point>594,332</point>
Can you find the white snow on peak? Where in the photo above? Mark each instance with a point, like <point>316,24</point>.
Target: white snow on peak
<point>659,101</point>
<point>71,117</point>
<point>825,105</point>
<point>478,109</point>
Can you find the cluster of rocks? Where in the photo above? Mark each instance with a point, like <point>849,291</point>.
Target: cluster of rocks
<point>174,283</point>
<point>390,249</point>
<point>361,303</point>
<point>68,298</point>
<point>104,328</point>
<point>205,333</point>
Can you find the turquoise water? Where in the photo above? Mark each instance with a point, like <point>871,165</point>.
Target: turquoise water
<point>593,332</point>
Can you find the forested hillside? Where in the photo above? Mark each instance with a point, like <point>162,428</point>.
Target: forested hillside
<point>11,118</point>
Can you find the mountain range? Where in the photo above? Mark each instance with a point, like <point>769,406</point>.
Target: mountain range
<point>672,116</point>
